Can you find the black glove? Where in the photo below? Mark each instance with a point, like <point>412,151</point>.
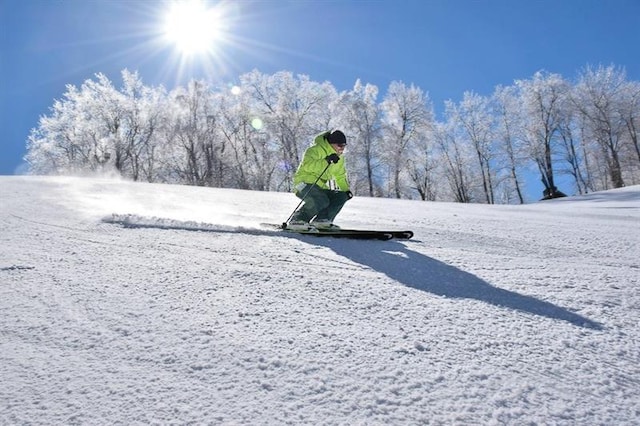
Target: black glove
<point>333,158</point>
<point>350,194</point>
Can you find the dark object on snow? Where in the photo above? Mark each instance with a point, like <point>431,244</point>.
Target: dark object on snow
<point>549,194</point>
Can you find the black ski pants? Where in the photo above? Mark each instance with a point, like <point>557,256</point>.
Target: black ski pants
<point>320,203</point>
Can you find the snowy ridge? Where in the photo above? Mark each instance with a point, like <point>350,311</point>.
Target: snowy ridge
<point>133,303</point>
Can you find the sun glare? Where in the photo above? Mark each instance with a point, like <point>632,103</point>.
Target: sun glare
<point>192,27</point>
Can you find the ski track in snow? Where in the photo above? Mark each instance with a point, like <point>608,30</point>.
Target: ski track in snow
<point>130,303</point>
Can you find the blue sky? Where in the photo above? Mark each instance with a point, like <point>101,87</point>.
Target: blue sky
<point>445,47</point>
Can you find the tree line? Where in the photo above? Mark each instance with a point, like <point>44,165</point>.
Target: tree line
<point>252,135</point>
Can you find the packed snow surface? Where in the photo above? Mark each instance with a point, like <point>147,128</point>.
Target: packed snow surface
<point>133,303</point>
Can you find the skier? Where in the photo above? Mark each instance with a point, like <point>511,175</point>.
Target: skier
<point>321,182</point>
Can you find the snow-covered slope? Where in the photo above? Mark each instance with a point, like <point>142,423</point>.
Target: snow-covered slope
<point>490,315</point>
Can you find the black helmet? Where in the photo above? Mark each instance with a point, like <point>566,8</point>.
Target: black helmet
<point>337,138</point>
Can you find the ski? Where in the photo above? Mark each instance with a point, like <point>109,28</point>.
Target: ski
<point>400,235</point>
<point>360,234</point>
<point>367,235</point>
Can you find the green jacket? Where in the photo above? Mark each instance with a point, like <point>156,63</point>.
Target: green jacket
<point>313,163</point>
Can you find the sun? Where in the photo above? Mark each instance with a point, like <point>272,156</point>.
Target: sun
<point>192,27</point>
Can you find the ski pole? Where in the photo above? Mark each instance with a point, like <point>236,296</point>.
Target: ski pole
<point>284,225</point>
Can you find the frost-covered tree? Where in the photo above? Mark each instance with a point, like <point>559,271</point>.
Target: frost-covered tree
<point>361,118</point>
<point>508,119</point>
<point>82,132</point>
<point>98,127</point>
<point>422,167</point>
<point>630,113</point>
<point>407,119</point>
<point>103,108</point>
<point>454,159</point>
<point>52,147</point>
<point>192,135</point>
<point>570,141</point>
<point>143,113</point>
<point>599,97</point>
<point>541,98</point>
<point>252,157</point>
<point>475,117</point>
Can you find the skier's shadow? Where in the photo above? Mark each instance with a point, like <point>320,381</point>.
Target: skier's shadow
<point>421,272</point>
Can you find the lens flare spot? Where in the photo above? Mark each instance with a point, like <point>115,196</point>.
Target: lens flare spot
<point>256,123</point>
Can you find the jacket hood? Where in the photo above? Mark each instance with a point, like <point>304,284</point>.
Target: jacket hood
<point>321,139</point>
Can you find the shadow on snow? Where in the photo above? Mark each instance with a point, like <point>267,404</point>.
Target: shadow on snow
<point>421,272</point>
<point>395,260</point>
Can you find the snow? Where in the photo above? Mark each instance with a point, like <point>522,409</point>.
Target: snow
<point>134,303</point>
